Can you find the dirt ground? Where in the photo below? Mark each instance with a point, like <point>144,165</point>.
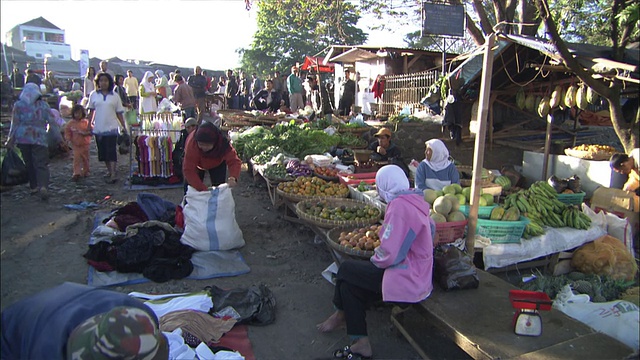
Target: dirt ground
<point>42,245</point>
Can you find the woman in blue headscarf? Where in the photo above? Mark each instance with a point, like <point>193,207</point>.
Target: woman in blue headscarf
<point>29,121</point>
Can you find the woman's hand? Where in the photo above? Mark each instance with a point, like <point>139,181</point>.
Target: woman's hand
<point>232,181</point>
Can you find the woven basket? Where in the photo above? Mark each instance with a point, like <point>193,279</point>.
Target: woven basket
<point>502,232</point>
<point>356,130</point>
<point>467,182</point>
<point>587,155</point>
<point>449,232</point>
<point>326,178</point>
<point>328,224</point>
<point>297,198</point>
<point>234,122</point>
<point>333,237</point>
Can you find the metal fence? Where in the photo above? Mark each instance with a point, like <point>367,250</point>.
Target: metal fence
<point>406,90</point>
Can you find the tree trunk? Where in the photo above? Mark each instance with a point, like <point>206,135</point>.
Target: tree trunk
<point>628,134</point>
<point>485,24</point>
<point>474,32</point>
<point>528,14</point>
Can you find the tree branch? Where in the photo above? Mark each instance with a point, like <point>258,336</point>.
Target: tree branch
<point>599,86</point>
<point>473,31</point>
<point>485,24</point>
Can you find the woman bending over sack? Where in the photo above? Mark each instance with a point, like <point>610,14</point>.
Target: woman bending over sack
<point>437,170</point>
<point>207,150</point>
<point>399,271</point>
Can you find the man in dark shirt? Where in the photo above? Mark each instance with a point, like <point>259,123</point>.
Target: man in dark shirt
<point>231,92</point>
<point>32,77</point>
<point>383,149</point>
<point>348,95</point>
<point>198,84</point>
<point>268,98</point>
<point>17,79</point>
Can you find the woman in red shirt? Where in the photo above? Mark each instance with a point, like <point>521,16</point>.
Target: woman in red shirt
<point>207,150</point>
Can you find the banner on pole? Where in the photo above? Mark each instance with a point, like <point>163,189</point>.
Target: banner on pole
<point>84,62</point>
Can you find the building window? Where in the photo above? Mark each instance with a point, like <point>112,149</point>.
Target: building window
<point>59,38</point>
<point>38,55</point>
<point>33,35</point>
<point>60,56</point>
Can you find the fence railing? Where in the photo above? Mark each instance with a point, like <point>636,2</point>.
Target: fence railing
<point>406,90</point>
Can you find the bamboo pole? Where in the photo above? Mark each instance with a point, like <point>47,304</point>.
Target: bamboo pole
<point>478,153</point>
<point>547,146</point>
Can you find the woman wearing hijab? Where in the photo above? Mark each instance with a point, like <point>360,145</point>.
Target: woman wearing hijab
<point>29,121</point>
<point>106,115</point>
<point>437,170</point>
<point>399,271</point>
<point>162,84</point>
<point>147,92</point>
<point>207,150</point>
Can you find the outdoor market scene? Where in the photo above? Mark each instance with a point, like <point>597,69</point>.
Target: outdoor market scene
<point>337,180</point>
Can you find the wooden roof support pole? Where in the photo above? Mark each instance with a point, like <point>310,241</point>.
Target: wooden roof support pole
<point>547,147</point>
<point>478,152</point>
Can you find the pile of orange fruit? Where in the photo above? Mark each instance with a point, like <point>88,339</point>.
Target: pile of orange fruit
<point>365,238</point>
<point>313,186</point>
<point>326,171</point>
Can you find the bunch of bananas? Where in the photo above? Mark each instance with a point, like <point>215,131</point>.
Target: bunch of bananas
<point>541,205</point>
<point>575,218</point>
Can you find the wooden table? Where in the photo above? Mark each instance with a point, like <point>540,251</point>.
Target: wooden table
<point>479,322</point>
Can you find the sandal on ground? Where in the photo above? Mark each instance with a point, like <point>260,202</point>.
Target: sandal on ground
<point>33,191</point>
<point>44,194</point>
<point>75,178</point>
<point>346,353</point>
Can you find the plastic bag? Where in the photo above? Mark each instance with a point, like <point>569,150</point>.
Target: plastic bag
<point>454,269</point>
<point>255,305</point>
<point>14,171</point>
<point>167,106</point>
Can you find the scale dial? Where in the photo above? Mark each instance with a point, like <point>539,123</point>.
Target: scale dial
<point>528,323</point>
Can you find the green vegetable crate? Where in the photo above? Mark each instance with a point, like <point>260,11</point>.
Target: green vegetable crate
<point>502,232</point>
<point>572,199</point>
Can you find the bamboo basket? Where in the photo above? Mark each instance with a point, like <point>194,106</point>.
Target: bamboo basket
<point>486,180</point>
<point>328,224</point>
<point>297,198</point>
<point>332,239</point>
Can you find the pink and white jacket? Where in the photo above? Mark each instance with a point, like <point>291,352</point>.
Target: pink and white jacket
<point>406,250</point>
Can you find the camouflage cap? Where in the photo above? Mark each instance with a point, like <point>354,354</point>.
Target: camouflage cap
<point>122,333</point>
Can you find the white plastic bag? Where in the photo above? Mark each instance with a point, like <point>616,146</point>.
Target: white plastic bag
<point>620,229</point>
<point>167,106</point>
<point>619,319</point>
<point>210,220</point>
<point>598,219</point>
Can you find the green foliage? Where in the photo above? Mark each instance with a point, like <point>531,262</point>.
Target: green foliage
<point>288,30</point>
<point>601,288</point>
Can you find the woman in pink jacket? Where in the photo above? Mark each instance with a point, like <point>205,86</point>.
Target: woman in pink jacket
<point>400,271</point>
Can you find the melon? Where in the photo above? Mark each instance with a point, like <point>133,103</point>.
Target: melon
<point>455,204</point>
<point>467,193</point>
<point>430,196</point>
<point>461,199</point>
<point>503,181</point>
<point>458,188</point>
<point>442,206</point>
<point>482,201</point>
<point>488,198</point>
<point>440,193</point>
<point>456,216</point>
<point>449,189</point>
<point>438,218</point>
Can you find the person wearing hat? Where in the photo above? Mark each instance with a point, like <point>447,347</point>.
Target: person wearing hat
<point>383,148</point>
<point>628,165</point>
<point>75,321</point>
<point>207,150</point>
<point>436,170</point>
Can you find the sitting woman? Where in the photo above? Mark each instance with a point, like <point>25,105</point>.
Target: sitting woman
<point>399,271</point>
<point>436,170</point>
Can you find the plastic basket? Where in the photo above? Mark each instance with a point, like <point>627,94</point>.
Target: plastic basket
<point>484,212</point>
<point>502,232</point>
<point>355,179</point>
<point>449,232</point>
<point>572,199</point>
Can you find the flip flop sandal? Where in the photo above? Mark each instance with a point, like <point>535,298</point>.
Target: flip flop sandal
<point>346,353</point>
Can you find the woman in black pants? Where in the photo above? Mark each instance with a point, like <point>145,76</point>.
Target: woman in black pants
<point>400,271</point>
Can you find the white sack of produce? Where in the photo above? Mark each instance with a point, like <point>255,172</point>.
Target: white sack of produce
<point>210,220</point>
<point>619,319</point>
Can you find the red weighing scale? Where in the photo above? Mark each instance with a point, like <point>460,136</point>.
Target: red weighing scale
<point>527,320</point>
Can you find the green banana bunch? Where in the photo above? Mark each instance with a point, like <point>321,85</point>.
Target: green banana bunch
<point>533,229</point>
<point>575,218</point>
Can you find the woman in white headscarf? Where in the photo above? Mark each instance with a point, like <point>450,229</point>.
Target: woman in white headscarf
<point>162,84</point>
<point>400,271</point>
<point>147,89</point>
<point>437,170</point>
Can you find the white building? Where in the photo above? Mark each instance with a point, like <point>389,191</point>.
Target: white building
<point>39,37</point>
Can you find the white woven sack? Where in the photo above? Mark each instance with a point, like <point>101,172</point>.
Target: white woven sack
<point>210,220</point>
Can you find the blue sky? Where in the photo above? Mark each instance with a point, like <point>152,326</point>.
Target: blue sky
<point>185,33</point>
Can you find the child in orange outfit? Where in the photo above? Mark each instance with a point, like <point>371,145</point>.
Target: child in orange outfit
<point>78,132</point>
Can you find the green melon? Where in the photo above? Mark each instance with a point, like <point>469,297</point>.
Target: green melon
<point>503,181</point>
<point>455,204</point>
<point>458,188</point>
<point>482,201</point>
<point>461,199</point>
<point>438,218</point>
<point>488,198</point>
<point>467,193</point>
<point>442,206</point>
<point>456,216</point>
<point>449,189</point>
<point>430,196</point>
